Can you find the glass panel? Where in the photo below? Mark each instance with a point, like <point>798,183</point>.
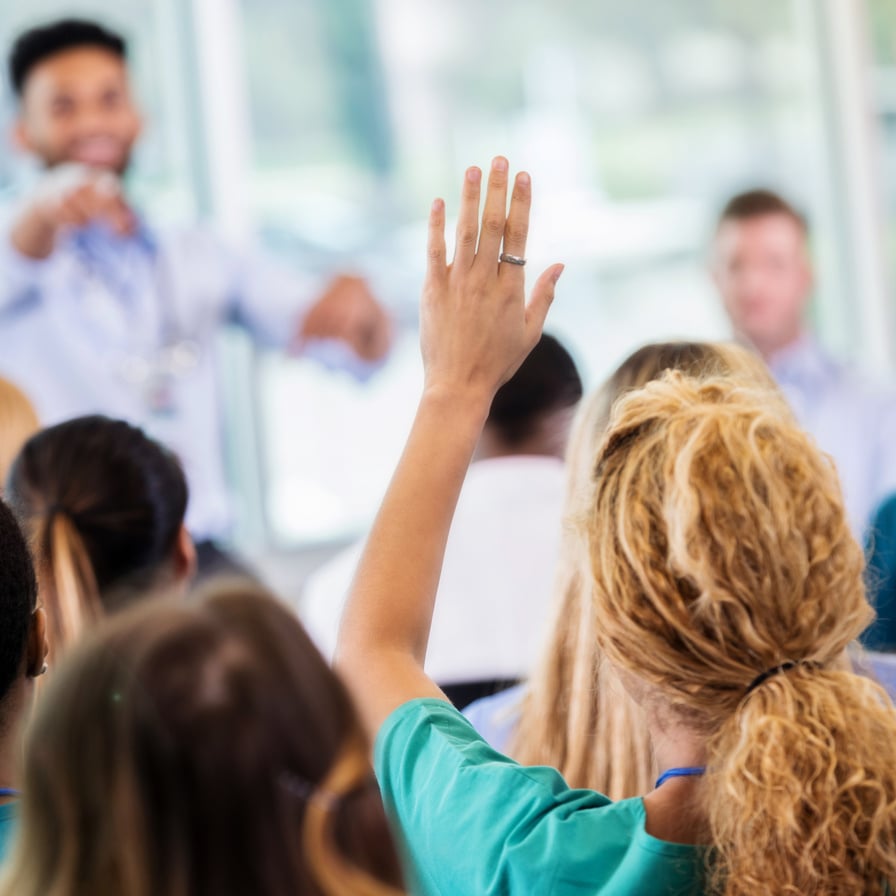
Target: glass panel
<point>883,33</point>
<point>636,120</point>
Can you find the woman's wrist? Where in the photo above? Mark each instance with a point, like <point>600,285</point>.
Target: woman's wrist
<point>458,403</point>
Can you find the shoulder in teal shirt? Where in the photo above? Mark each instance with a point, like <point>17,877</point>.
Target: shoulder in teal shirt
<point>9,814</point>
<point>475,822</point>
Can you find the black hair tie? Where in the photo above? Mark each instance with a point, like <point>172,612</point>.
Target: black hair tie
<point>777,670</point>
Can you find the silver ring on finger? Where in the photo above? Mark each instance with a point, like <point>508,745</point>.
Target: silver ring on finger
<point>513,259</point>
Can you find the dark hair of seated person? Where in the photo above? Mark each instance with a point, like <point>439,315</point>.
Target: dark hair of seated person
<point>23,648</point>
<point>103,506</point>
<point>217,755</point>
<point>45,41</point>
<point>523,414</point>
<point>18,602</point>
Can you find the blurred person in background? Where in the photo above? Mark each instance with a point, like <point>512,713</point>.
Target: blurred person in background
<point>504,543</point>
<point>18,422</point>
<point>103,506</point>
<point>23,653</point>
<point>203,750</point>
<point>128,314</point>
<point>762,268</point>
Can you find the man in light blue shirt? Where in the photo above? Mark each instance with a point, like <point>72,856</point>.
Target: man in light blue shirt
<point>762,269</point>
<point>100,312</point>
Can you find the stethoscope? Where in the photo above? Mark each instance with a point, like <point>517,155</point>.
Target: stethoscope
<point>153,374</point>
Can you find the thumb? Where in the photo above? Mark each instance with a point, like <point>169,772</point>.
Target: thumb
<point>541,300</point>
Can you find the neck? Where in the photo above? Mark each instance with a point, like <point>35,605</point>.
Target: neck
<point>770,348</point>
<point>674,810</point>
<point>677,747</point>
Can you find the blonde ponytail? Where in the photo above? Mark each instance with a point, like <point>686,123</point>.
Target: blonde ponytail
<point>66,579</point>
<point>802,789</point>
<point>720,549</point>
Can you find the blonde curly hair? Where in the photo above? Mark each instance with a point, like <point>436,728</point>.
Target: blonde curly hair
<point>575,715</point>
<point>720,549</point>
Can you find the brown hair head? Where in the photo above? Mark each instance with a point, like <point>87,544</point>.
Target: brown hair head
<point>200,751</point>
<point>720,549</point>
<point>758,204</point>
<point>576,716</point>
<point>103,506</point>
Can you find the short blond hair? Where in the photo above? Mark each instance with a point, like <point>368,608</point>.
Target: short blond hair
<point>18,422</point>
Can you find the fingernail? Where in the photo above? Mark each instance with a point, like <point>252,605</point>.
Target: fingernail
<point>500,164</point>
<point>438,205</point>
<point>523,179</point>
<point>556,275</point>
<point>474,175</point>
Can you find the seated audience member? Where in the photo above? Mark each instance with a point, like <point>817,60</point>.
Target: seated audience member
<point>23,652</point>
<point>18,422</point>
<point>202,750</point>
<point>763,271</point>
<point>502,551</point>
<point>103,506</point>
<point>573,714</point>
<point>726,583</point>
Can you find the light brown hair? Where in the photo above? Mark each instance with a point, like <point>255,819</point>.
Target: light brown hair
<point>18,422</point>
<point>202,750</point>
<point>720,549</point>
<point>758,204</point>
<point>575,715</point>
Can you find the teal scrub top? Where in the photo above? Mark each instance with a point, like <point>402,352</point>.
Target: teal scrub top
<point>9,815</point>
<point>472,821</point>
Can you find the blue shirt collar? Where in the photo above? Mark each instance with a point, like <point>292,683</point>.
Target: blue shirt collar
<point>803,361</point>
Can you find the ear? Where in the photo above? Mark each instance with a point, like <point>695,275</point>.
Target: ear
<point>184,557</point>
<point>38,648</point>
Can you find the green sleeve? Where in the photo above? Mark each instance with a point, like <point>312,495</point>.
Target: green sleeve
<point>881,578</point>
<point>472,820</point>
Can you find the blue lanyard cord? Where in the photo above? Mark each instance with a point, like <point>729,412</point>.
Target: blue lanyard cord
<point>688,771</point>
<point>9,791</point>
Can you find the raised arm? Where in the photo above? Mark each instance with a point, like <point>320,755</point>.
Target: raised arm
<point>476,331</point>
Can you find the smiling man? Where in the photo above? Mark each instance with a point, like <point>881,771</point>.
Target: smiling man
<point>102,312</point>
<point>763,271</point>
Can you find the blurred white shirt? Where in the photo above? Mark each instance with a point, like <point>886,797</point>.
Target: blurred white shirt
<point>127,327</point>
<point>497,582</point>
<point>852,418</point>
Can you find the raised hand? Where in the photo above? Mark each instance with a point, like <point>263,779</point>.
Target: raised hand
<point>476,326</point>
<point>72,196</point>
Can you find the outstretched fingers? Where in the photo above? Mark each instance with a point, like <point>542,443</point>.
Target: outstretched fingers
<point>541,300</point>
<point>516,228</point>
<point>436,265</point>
<point>494,215</point>
<point>468,220</point>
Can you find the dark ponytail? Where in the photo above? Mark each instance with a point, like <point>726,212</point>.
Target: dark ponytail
<point>103,505</point>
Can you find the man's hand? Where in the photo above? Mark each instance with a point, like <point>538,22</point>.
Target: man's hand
<point>70,198</point>
<point>348,311</point>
